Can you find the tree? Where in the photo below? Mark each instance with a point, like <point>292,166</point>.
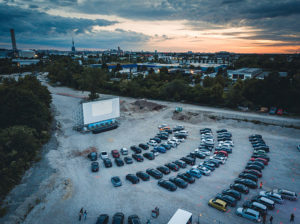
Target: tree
<point>235,95</point>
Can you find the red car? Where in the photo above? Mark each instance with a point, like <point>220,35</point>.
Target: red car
<point>221,153</point>
<point>255,172</point>
<point>115,153</point>
<point>262,160</point>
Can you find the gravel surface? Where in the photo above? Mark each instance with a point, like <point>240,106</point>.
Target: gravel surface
<point>74,186</point>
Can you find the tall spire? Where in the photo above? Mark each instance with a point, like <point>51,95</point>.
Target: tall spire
<point>73,46</point>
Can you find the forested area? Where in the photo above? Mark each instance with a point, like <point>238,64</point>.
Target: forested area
<point>25,119</point>
<point>219,91</point>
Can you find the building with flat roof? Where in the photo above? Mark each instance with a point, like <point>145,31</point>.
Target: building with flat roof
<point>244,73</point>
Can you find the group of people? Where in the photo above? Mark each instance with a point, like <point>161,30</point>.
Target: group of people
<point>82,215</point>
<point>292,218</point>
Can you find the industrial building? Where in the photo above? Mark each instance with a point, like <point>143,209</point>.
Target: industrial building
<point>244,73</point>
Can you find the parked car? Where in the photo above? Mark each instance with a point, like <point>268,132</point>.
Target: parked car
<point>119,162</point>
<point>102,219</point>
<point>256,163</point>
<point>249,213</point>
<point>180,163</point>
<point>144,146</point>
<point>124,151</point>
<point>138,157</point>
<point>155,152</point>
<point>134,219</point>
<point>261,208</point>
<point>104,155</point>
<point>179,182</point>
<point>272,110</point>
<point>195,173</point>
<point>240,188</point>
<point>142,175</point>
<point>166,146</point>
<point>93,156</point>
<point>246,182</point>
<point>261,156</point>
<point>136,149</point>
<point>218,204</point>
<point>231,201</point>
<point>128,160</point>
<point>152,143</point>
<point>248,176</point>
<point>118,218</point>
<point>132,178</point>
<point>107,162</point>
<point>158,140</point>
<point>162,136</point>
<point>264,161</point>
<point>115,153</point>
<point>154,173</point>
<point>222,152</point>
<point>253,167</point>
<point>167,185</point>
<point>95,166</point>
<point>149,155</point>
<point>172,166</point>
<point>286,194</point>
<point>233,193</point>
<point>198,155</point>
<point>263,200</point>
<point>271,195</point>
<point>164,169</point>
<point>203,170</point>
<point>188,160</point>
<point>254,172</point>
<point>186,177</point>
<point>116,181</point>
<point>160,149</point>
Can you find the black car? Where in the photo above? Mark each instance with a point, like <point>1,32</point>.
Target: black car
<point>231,201</point>
<point>198,155</point>
<point>240,188</point>
<point>161,136</point>
<point>93,156</point>
<point>136,149</point>
<point>248,176</point>
<point>167,185</point>
<point>164,169</point>
<point>188,160</point>
<point>169,131</point>
<point>246,182</point>
<point>256,163</point>
<point>253,167</point>
<point>116,181</point>
<point>186,177</point>
<point>255,155</point>
<point>154,173</point>
<point>179,182</point>
<point>180,163</point>
<point>118,218</point>
<point>233,193</point>
<point>252,205</point>
<point>144,146</point>
<point>215,162</point>
<point>107,162</point>
<point>142,175</point>
<point>132,178</point>
<point>158,140</point>
<point>134,219</point>
<point>209,165</point>
<point>181,135</point>
<point>138,157</point>
<point>119,162</point>
<point>95,166</point>
<point>172,166</point>
<point>149,155</point>
<point>128,160</point>
<point>166,146</point>
<point>102,219</point>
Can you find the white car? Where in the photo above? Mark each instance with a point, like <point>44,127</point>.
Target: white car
<point>178,139</point>
<point>124,151</point>
<point>162,126</point>
<point>204,170</point>
<point>104,155</point>
<point>222,159</point>
<point>271,195</point>
<point>152,143</point>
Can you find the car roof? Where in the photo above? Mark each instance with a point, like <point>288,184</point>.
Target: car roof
<point>221,202</point>
<point>256,213</point>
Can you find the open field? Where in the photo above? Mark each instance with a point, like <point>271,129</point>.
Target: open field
<point>73,186</point>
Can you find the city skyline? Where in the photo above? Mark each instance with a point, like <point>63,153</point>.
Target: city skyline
<point>163,25</point>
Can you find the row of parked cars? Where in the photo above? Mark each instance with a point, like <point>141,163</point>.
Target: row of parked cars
<point>118,218</point>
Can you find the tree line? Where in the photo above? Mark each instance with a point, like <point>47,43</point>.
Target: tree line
<point>274,90</point>
<point>25,119</point>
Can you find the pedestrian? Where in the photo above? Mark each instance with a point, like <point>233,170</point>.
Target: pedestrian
<point>292,217</point>
<point>85,214</point>
<point>80,214</point>
<point>260,185</point>
<point>271,220</point>
<point>264,218</point>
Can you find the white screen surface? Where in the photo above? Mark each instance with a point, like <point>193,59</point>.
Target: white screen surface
<point>100,110</point>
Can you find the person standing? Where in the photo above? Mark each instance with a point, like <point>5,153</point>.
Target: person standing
<point>80,214</point>
<point>292,217</point>
<point>260,185</point>
<point>264,218</point>
<point>271,220</point>
<point>84,215</point>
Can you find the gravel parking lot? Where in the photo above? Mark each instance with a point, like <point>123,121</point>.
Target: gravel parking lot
<point>75,186</point>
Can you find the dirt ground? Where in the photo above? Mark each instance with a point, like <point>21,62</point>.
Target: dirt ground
<point>73,185</point>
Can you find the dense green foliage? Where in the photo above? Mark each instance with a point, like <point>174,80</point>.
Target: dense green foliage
<point>24,121</point>
<point>253,93</point>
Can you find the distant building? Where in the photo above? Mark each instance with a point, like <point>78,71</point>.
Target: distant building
<point>244,73</point>
<point>24,62</point>
<point>26,54</point>
<point>73,46</point>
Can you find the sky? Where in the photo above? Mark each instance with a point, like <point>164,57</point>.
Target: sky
<point>240,26</point>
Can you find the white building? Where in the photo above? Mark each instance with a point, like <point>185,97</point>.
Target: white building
<point>244,73</point>
<point>26,54</point>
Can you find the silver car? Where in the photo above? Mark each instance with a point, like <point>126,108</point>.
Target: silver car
<point>271,195</point>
